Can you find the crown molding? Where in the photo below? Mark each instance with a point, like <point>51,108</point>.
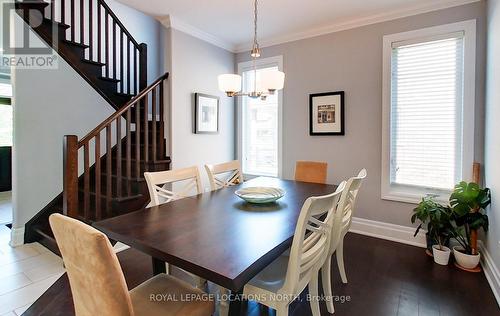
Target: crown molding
<point>172,22</point>
<point>354,23</point>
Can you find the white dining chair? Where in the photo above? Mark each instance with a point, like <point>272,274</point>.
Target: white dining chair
<point>345,208</point>
<point>286,277</point>
<point>160,190</point>
<point>224,175</point>
<point>160,184</point>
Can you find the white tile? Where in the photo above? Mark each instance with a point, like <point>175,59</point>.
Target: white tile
<point>4,235</point>
<point>13,282</point>
<point>41,248</point>
<point>46,259</point>
<point>11,313</point>
<point>23,296</point>
<point>19,311</point>
<point>44,271</point>
<point>12,254</point>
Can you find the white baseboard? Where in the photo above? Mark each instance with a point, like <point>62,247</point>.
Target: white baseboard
<point>17,236</point>
<point>490,270</point>
<point>397,233</point>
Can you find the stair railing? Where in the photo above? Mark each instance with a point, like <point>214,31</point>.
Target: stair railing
<point>137,118</point>
<point>92,23</point>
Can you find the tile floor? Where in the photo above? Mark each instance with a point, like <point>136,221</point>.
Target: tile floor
<point>26,272</point>
<point>5,208</point>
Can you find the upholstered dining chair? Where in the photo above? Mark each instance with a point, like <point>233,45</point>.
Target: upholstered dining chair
<point>288,276</point>
<point>97,282</point>
<point>345,208</point>
<point>224,175</point>
<point>311,171</point>
<point>160,190</point>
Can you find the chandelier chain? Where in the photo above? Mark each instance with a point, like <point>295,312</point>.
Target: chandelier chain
<point>256,45</point>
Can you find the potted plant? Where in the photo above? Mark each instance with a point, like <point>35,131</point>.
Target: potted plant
<point>438,218</point>
<point>468,202</point>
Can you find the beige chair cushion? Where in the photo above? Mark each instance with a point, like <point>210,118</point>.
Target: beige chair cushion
<point>166,295</point>
<point>98,285</point>
<point>95,276</point>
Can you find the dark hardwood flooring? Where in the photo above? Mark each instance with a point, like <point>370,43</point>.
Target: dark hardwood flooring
<point>385,278</point>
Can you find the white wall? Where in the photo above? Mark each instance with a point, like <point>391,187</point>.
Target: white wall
<point>144,29</point>
<point>49,104</point>
<point>492,134</point>
<point>195,67</point>
<point>351,60</point>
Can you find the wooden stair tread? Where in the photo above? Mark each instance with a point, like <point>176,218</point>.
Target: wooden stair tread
<point>93,62</point>
<point>66,41</point>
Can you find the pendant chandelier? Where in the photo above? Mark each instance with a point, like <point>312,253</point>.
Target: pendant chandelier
<point>270,82</point>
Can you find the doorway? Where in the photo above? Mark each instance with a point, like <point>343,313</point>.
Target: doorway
<point>6,131</point>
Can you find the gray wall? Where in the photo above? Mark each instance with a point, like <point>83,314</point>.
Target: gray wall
<point>492,137</point>
<point>351,60</point>
<point>195,66</point>
<point>49,104</point>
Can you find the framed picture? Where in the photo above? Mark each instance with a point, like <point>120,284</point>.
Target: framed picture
<point>206,114</point>
<point>326,113</point>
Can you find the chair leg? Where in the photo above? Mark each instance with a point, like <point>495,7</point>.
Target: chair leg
<point>282,310</point>
<point>223,303</point>
<point>200,283</point>
<point>340,260</point>
<point>326,280</point>
<point>313,292</point>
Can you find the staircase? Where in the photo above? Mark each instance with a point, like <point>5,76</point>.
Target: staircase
<point>91,38</point>
<point>103,171</point>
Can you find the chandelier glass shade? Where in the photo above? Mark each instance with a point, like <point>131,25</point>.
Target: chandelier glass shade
<point>270,81</point>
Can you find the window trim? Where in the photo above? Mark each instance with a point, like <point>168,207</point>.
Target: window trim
<point>248,65</point>
<point>414,195</point>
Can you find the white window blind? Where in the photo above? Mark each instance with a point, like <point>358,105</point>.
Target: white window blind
<point>426,112</point>
<point>260,129</point>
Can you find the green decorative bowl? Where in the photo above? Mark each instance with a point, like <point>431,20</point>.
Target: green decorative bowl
<point>260,195</point>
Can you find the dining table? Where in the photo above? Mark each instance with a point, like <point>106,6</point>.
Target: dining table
<point>216,235</point>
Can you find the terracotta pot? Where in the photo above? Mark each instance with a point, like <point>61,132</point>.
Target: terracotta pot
<point>465,260</point>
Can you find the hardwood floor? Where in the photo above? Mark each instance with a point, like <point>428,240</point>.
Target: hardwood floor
<point>385,278</point>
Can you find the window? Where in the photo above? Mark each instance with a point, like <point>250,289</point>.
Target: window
<point>5,115</point>
<point>428,111</point>
<point>260,134</point>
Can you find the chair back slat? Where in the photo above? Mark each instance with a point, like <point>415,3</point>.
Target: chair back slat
<point>224,175</point>
<point>310,244</point>
<point>160,184</point>
<point>346,206</point>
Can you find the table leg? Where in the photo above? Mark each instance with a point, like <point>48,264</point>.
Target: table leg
<point>158,266</point>
<point>236,303</point>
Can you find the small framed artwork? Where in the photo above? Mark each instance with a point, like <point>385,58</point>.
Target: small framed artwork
<point>326,113</point>
<point>206,114</point>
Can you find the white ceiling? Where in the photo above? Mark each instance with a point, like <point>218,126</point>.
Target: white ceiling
<point>229,23</point>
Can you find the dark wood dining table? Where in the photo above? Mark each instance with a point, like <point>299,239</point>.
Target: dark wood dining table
<point>216,235</point>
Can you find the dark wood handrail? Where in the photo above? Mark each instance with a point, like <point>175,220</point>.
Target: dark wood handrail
<point>111,158</point>
<point>121,111</point>
<point>114,17</point>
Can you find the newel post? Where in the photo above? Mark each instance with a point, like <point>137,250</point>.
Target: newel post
<point>70,175</point>
<point>143,66</point>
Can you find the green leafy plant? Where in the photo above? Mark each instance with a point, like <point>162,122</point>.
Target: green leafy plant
<point>438,218</point>
<point>468,202</point>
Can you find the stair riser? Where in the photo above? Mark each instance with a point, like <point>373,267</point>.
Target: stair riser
<point>132,186</point>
